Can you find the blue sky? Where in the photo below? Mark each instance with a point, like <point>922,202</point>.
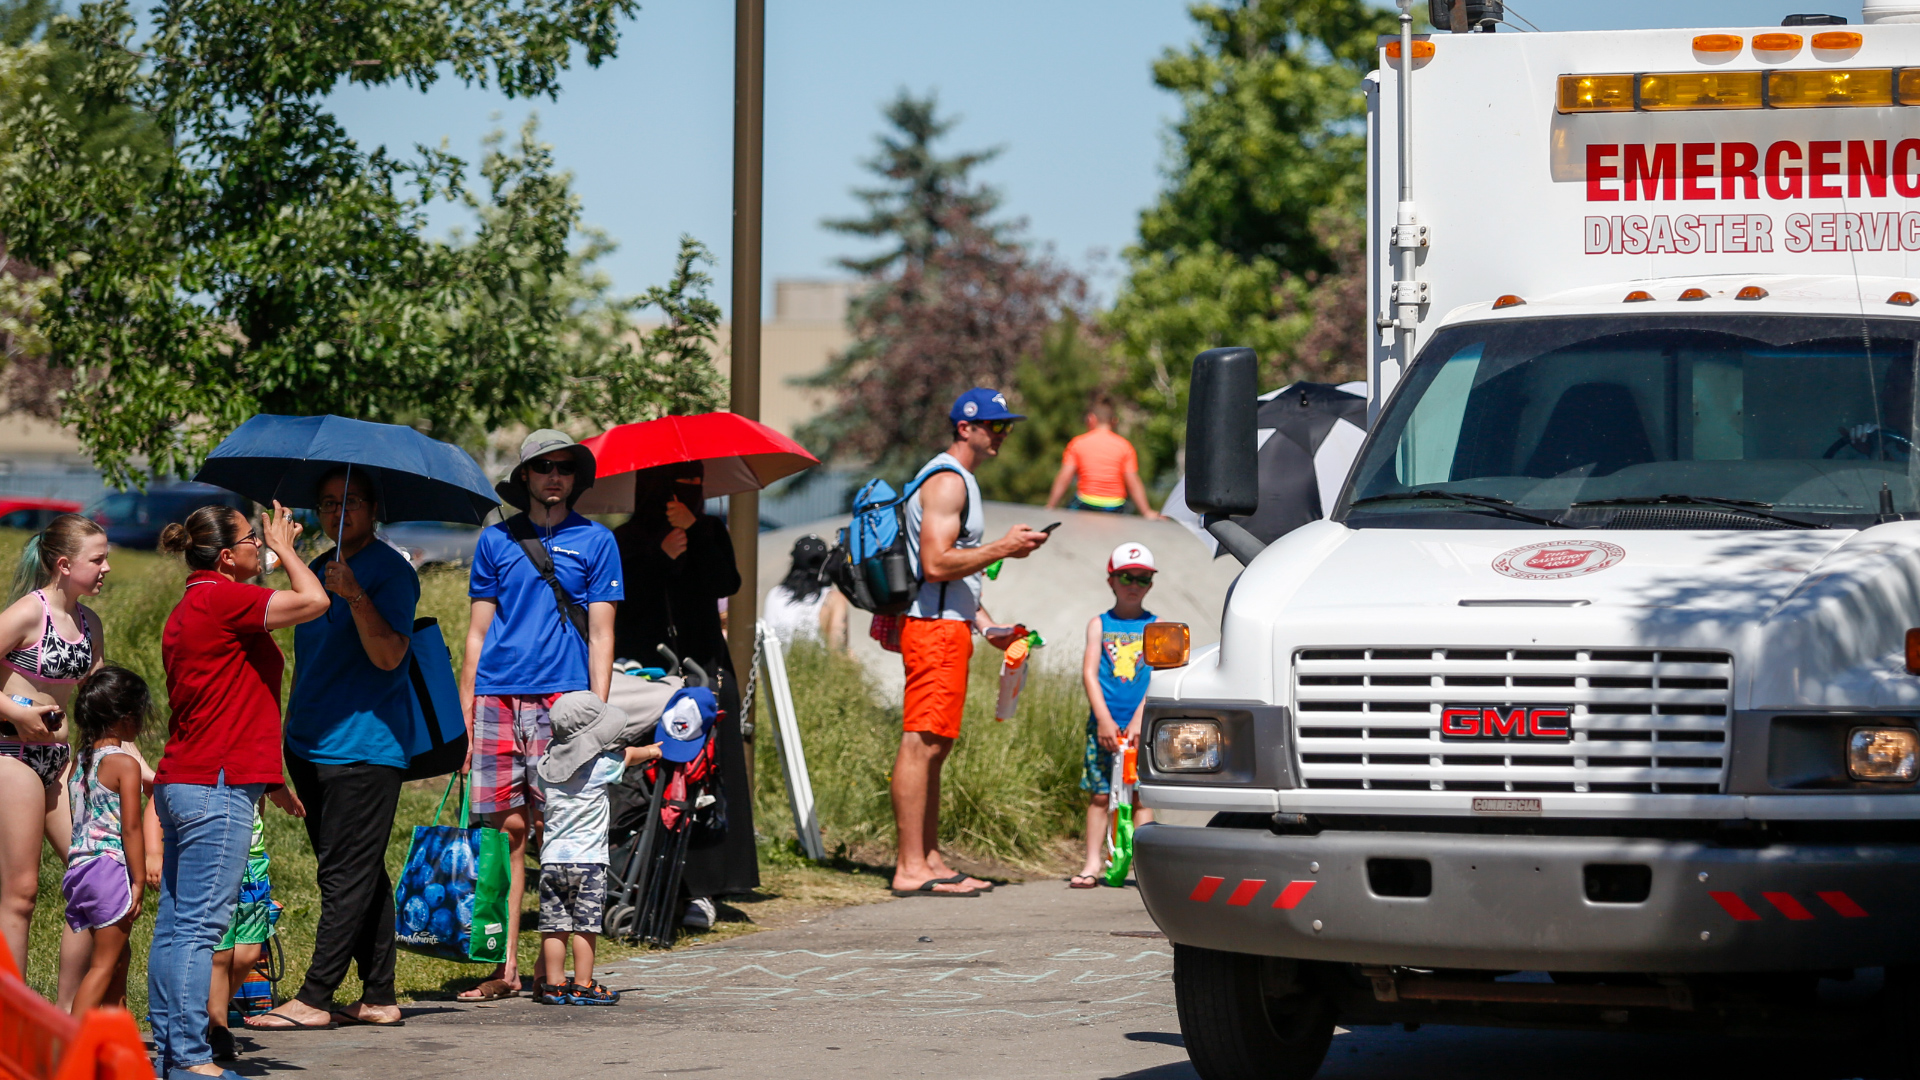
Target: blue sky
<point>1064,86</point>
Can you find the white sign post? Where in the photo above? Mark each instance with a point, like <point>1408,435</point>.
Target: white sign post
<point>792,756</point>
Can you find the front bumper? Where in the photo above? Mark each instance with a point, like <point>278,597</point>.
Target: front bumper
<point>1516,902</point>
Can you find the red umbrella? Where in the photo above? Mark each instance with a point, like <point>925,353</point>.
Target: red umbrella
<point>740,455</point>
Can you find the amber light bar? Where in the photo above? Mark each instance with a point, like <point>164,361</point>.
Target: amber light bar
<point>1799,88</point>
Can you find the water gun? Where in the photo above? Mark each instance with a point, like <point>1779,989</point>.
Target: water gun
<point>1013,671</point>
<point>1126,775</point>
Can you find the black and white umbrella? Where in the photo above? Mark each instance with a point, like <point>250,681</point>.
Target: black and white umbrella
<point>1309,435</point>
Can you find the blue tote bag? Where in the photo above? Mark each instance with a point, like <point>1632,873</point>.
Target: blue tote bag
<point>451,899</point>
<point>436,742</point>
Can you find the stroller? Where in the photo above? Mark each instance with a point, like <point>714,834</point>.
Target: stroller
<point>654,813</point>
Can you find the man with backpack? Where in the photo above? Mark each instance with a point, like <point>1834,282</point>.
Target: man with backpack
<point>544,586</point>
<point>946,543</point>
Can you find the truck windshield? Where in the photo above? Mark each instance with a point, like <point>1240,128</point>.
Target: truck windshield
<point>1807,418</point>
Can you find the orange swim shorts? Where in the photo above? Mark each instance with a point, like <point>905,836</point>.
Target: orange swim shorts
<point>936,652</point>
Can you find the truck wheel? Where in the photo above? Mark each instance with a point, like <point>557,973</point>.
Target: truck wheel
<point>1234,1031</point>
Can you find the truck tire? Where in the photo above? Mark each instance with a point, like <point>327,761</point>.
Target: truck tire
<point>1234,1031</point>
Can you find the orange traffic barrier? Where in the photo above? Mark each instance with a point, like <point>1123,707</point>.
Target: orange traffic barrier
<point>39,1042</point>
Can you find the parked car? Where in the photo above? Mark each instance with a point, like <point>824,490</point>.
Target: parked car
<point>27,512</point>
<point>133,519</point>
<point>432,543</point>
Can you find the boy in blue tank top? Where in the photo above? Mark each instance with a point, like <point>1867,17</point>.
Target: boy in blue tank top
<point>1116,680</point>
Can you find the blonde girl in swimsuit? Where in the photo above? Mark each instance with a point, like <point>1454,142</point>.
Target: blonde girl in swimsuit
<point>49,641</point>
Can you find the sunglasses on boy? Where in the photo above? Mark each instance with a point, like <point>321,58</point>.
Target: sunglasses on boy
<point>544,466</point>
<point>1127,577</point>
<point>997,427</point>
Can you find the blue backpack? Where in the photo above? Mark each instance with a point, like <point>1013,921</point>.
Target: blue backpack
<point>870,564</point>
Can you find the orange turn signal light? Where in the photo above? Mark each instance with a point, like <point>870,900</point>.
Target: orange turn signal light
<point>1837,39</point>
<point>1166,644</point>
<point>1776,42</point>
<point>1638,296</point>
<point>1717,43</point>
<point>1507,301</point>
<point>1422,50</point>
<point>1903,298</point>
<point>1913,651</point>
<point>1694,294</point>
<point>1751,292</point>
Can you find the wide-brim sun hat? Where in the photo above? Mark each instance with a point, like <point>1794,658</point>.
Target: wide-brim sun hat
<point>513,488</point>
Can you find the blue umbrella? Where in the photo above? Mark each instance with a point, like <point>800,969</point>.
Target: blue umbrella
<point>282,458</point>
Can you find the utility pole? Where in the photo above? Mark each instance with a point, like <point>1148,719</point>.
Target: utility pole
<point>743,508</point>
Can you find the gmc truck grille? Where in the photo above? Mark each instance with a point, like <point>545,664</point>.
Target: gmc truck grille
<point>1521,719</point>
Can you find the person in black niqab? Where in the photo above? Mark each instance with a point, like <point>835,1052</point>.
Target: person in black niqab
<point>678,561</point>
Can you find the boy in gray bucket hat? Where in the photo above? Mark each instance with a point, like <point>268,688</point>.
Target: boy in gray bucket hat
<point>544,586</point>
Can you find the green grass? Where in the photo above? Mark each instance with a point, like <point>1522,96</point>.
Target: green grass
<point>1009,791</point>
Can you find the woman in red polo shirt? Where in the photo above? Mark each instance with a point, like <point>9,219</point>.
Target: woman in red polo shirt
<point>223,752</point>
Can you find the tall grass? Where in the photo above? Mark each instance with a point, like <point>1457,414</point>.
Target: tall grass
<point>1008,792</point>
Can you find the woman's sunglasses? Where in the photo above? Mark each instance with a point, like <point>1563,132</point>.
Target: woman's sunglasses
<point>1134,579</point>
<point>543,467</point>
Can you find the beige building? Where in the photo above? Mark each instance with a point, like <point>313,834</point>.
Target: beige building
<point>809,326</point>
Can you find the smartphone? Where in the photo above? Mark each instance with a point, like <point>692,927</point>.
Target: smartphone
<point>1051,527</point>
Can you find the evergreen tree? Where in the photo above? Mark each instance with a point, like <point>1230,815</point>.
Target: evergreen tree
<point>955,300</point>
<point>1257,238</point>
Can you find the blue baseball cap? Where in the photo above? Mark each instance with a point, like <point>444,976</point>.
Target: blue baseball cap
<point>684,726</point>
<point>981,403</point>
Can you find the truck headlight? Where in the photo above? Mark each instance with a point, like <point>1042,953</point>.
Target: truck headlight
<point>1881,753</point>
<point>1192,746</point>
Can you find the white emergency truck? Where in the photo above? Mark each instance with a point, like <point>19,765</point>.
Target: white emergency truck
<point>1594,701</point>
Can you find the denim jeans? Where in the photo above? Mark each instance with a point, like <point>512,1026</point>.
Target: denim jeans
<point>208,829</point>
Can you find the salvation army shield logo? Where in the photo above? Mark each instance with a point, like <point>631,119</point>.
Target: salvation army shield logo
<point>1556,559</point>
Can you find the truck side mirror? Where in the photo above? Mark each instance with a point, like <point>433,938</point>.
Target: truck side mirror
<point>1223,469</point>
<point>1223,464</point>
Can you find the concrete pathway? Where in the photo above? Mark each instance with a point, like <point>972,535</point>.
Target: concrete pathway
<point>1030,981</point>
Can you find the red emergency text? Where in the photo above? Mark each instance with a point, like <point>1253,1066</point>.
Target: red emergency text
<point>1689,172</point>
<point>1694,234</point>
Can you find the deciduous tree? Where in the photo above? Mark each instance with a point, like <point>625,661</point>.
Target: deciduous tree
<point>1256,239</point>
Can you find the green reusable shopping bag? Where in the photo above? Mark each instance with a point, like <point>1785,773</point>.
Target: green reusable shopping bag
<point>490,940</point>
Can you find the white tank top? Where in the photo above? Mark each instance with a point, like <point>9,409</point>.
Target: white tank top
<point>790,617</point>
<point>948,599</point>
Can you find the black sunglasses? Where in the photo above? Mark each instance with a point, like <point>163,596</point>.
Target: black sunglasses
<point>544,466</point>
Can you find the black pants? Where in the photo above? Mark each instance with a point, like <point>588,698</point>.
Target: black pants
<point>350,812</point>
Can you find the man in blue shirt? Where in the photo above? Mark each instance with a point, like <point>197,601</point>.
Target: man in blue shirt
<point>545,583</point>
<point>345,728</point>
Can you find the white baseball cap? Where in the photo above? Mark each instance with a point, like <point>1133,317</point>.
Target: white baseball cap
<point>1131,557</point>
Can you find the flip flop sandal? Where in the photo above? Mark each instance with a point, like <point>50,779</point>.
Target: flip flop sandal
<point>491,990</point>
<point>277,1022</point>
<point>960,879</point>
<point>1074,882</point>
<point>927,889</point>
<point>350,1020</point>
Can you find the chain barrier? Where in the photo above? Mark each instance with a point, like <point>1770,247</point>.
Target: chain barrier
<point>753,682</point>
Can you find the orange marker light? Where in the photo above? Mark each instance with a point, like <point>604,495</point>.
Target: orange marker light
<point>1507,301</point>
<point>1776,42</point>
<point>1903,298</point>
<point>1719,43</point>
<point>1837,39</point>
<point>1751,292</point>
<point>1909,86</point>
<point>1694,294</point>
<point>1166,644</point>
<point>1638,296</point>
<point>1422,50</point>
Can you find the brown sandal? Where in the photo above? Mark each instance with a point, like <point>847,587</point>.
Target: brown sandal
<point>1075,881</point>
<point>491,990</point>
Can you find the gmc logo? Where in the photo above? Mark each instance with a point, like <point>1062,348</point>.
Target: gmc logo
<point>1501,723</point>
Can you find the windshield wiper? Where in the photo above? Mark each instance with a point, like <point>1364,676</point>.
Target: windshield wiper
<point>1739,506</point>
<point>1485,502</point>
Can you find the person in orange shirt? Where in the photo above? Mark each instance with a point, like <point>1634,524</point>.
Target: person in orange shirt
<point>1106,466</point>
